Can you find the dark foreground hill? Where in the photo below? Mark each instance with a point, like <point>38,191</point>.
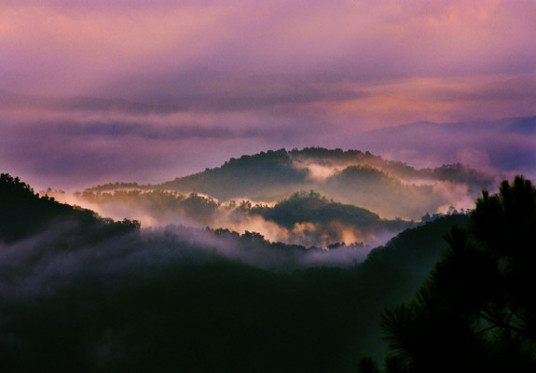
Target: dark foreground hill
<point>182,299</point>
<point>24,214</point>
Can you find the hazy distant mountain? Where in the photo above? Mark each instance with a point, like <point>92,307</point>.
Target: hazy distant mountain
<point>504,145</point>
<point>524,125</point>
<point>505,125</point>
<point>392,189</point>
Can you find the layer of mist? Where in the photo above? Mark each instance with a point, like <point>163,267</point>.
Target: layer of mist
<point>82,293</point>
<point>391,189</point>
<point>367,199</point>
<point>306,219</point>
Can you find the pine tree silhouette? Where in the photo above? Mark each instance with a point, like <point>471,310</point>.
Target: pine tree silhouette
<point>477,311</point>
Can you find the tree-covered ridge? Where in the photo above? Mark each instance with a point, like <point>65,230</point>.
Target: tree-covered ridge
<point>24,213</point>
<point>279,166</point>
<point>391,189</point>
<point>477,311</point>
<point>314,208</point>
<point>305,218</point>
<point>267,172</point>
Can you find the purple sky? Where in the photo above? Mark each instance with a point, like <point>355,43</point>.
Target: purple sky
<point>193,84</point>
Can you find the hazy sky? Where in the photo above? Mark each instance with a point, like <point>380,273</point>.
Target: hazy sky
<point>205,80</point>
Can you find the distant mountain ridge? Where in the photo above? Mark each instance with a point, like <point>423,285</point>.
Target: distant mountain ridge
<point>514,124</point>
<point>504,146</point>
<point>391,188</point>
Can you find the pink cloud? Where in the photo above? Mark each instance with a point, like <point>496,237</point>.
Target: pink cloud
<point>276,73</point>
<point>74,47</point>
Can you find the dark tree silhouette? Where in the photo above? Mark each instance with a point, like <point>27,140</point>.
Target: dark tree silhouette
<point>367,365</point>
<point>24,213</point>
<point>477,311</point>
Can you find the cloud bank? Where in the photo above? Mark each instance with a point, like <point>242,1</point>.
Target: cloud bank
<point>189,85</point>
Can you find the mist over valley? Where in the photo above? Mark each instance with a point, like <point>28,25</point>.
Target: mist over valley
<point>273,186</point>
<point>359,198</point>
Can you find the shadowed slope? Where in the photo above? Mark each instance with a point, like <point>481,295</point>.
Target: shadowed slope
<point>165,301</point>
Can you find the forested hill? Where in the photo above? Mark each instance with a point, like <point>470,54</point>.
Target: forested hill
<point>188,300</point>
<point>271,169</point>
<point>24,213</point>
<point>391,189</point>
<point>311,207</point>
<point>265,174</point>
<point>304,218</point>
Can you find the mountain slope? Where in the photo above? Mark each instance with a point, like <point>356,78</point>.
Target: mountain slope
<point>391,189</point>
<point>305,218</point>
<point>25,214</point>
<point>268,173</point>
<point>166,300</point>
